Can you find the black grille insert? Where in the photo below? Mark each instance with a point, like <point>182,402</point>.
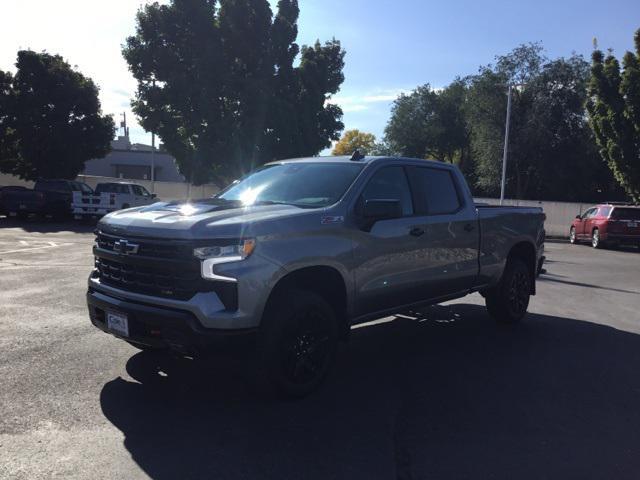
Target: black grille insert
<point>159,268</point>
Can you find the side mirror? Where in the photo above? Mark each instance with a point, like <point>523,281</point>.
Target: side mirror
<point>382,209</point>
<point>578,217</point>
<point>153,195</point>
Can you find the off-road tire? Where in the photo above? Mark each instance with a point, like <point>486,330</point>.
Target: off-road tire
<point>297,344</point>
<point>508,302</point>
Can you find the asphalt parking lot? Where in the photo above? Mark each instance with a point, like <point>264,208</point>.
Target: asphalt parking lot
<point>445,393</point>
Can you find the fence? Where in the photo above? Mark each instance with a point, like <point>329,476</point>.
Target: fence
<point>164,190</point>
<point>559,214</point>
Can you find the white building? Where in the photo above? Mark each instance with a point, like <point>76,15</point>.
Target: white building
<point>133,161</point>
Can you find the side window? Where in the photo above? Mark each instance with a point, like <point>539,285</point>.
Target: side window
<point>137,190</point>
<point>389,183</point>
<point>589,213</point>
<point>434,191</point>
<point>604,212</point>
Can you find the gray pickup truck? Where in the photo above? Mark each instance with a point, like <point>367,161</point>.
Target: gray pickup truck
<point>298,251</point>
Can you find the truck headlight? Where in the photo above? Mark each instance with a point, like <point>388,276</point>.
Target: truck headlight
<point>216,255</point>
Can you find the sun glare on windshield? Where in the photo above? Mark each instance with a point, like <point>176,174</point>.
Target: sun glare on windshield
<point>248,197</point>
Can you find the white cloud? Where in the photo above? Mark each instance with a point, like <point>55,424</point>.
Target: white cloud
<point>360,103</point>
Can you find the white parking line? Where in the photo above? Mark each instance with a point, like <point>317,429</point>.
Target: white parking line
<point>30,249</point>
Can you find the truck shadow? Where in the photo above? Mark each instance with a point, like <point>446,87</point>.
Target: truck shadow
<point>444,393</point>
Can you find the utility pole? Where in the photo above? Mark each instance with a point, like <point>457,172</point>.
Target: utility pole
<point>506,146</point>
<point>153,156</point>
<point>153,162</point>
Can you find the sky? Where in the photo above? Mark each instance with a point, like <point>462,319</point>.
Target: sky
<point>392,46</point>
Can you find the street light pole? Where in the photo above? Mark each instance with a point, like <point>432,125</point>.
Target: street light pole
<point>153,156</point>
<point>153,162</point>
<point>506,146</point>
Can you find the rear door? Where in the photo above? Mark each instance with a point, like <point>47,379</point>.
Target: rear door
<point>588,221</point>
<point>452,239</point>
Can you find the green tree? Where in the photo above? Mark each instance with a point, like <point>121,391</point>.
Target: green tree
<point>429,123</point>
<point>50,119</point>
<point>551,149</point>
<point>353,140</point>
<point>217,82</point>
<point>614,114</point>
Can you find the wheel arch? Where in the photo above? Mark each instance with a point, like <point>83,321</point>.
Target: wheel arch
<point>324,280</point>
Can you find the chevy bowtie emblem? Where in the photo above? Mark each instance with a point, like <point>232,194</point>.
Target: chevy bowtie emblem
<point>124,247</point>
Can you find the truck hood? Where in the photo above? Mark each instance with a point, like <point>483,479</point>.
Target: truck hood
<point>196,219</point>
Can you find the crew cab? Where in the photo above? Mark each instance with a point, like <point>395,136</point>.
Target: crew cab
<point>300,250</point>
<point>109,197</point>
<point>48,197</point>
<point>607,224</point>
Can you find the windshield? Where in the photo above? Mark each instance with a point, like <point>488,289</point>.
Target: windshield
<point>300,184</point>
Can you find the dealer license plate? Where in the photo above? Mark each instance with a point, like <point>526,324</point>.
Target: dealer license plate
<point>118,323</point>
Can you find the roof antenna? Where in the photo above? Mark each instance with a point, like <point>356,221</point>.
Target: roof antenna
<point>357,156</point>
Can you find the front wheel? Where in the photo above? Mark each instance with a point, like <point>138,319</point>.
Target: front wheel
<point>298,343</point>
<point>572,235</point>
<point>509,301</point>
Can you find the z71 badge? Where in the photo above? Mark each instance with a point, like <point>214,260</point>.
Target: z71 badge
<point>331,219</point>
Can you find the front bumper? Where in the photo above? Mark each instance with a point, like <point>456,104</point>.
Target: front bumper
<point>160,326</point>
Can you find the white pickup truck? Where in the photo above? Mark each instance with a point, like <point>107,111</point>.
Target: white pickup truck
<point>109,197</point>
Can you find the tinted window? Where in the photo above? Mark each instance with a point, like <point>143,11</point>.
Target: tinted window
<point>434,190</point>
<point>301,184</point>
<point>137,190</point>
<point>85,188</point>
<point>390,183</point>
<point>112,188</point>
<point>52,186</point>
<point>626,214</point>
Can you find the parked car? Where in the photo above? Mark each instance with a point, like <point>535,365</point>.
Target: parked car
<point>299,251</point>
<point>607,224</point>
<point>5,191</point>
<point>48,197</point>
<point>109,197</point>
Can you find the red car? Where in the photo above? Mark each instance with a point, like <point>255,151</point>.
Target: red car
<point>607,224</point>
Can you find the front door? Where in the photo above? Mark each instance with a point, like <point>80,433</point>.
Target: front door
<point>584,227</point>
<point>389,255</point>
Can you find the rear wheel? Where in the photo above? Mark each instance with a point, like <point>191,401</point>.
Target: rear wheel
<point>595,239</point>
<point>572,235</point>
<point>298,343</point>
<point>509,301</point>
